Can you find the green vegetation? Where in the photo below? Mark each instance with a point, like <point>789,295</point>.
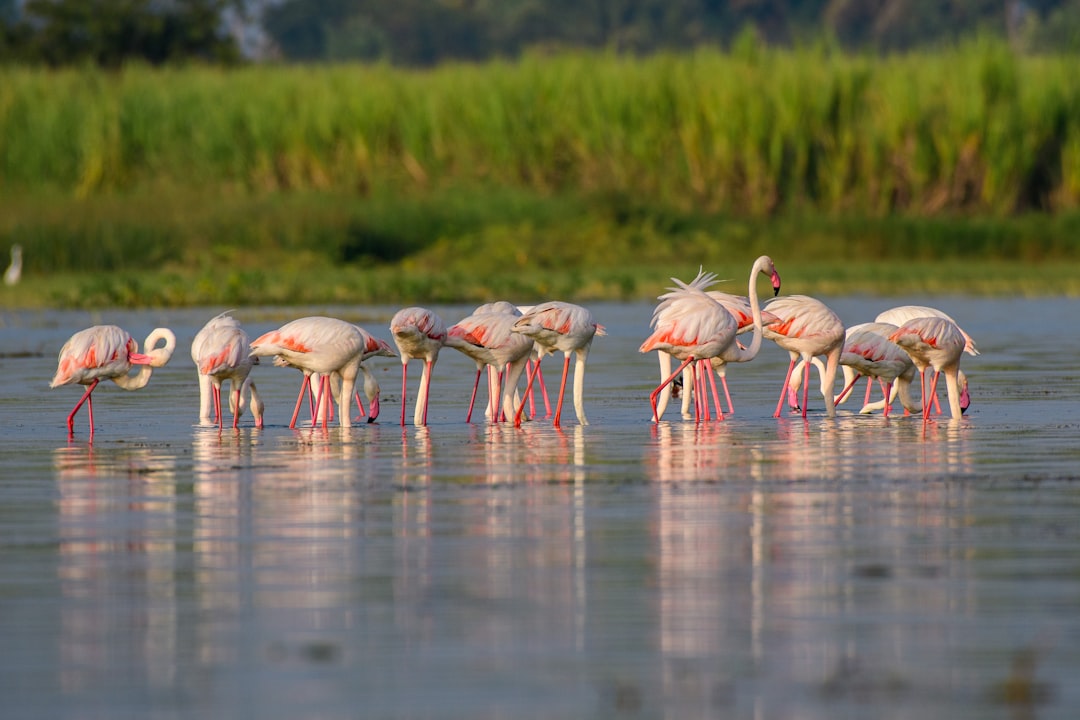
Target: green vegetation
<point>578,175</point>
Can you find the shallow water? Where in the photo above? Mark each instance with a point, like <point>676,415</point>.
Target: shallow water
<point>755,567</point>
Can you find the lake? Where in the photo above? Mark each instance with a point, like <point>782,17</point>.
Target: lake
<point>750,568</point>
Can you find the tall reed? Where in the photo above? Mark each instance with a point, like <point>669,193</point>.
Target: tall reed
<point>974,129</point>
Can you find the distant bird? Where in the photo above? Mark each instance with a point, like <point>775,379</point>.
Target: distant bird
<point>320,346</point>
<point>560,326</point>
<point>691,323</point>
<point>107,352</point>
<point>221,352</point>
<point>806,328</point>
<point>14,271</point>
<point>486,337</point>
<point>418,333</point>
<point>869,352</point>
<point>938,343</point>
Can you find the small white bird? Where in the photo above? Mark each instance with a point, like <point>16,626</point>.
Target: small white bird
<point>14,271</point>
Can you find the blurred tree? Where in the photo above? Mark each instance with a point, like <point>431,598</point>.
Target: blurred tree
<point>111,32</point>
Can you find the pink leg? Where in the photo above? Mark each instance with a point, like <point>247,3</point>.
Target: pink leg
<point>727,395</point>
<point>543,390</point>
<point>528,394</point>
<point>472,400</point>
<point>404,374</point>
<point>359,405</point>
<point>562,389</point>
<point>784,390</point>
<point>215,397</point>
<point>869,384</point>
<point>933,392</point>
<point>707,366</point>
<point>655,393</point>
<point>84,398</point>
<point>846,390</point>
<point>887,389</point>
<point>299,400</point>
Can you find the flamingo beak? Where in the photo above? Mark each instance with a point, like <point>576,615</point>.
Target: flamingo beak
<point>775,283</point>
<point>373,409</point>
<point>965,400</point>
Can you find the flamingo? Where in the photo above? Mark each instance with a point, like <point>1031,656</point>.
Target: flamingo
<point>418,333</point>
<point>486,337</point>
<point>869,352</point>
<point>14,271</point>
<point>901,314</point>
<point>560,326</point>
<point>322,346</point>
<point>806,328</point>
<point>221,352</point>
<point>938,343</point>
<point>107,352</point>
<point>674,320</point>
<point>742,310</point>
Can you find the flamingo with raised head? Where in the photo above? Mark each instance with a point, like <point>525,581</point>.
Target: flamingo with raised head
<point>673,322</point>
<point>222,352</point>
<point>566,327</point>
<point>487,338</point>
<point>807,328</point>
<point>107,352</point>
<point>938,343</point>
<point>320,346</point>
<point>418,333</point>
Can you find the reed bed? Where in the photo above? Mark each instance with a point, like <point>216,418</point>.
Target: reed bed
<point>973,128</point>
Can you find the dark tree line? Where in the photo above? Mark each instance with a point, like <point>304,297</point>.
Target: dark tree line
<point>111,32</point>
<point>424,32</point>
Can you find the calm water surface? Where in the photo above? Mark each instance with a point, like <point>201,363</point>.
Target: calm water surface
<point>752,568</point>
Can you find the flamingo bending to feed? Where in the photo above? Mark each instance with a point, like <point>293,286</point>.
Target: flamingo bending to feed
<point>869,352</point>
<point>418,333</point>
<point>560,326</point>
<point>488,339</point>
<point>107,352</point>
<point>221,352</point>
<point>807,328</point>
<point>938,343</point>
<point>691,324</point>
<point>319,346</point>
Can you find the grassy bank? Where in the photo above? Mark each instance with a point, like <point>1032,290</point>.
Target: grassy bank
<point>186,248</point>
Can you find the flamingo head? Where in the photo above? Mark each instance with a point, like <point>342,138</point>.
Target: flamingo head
<point>965,397</point>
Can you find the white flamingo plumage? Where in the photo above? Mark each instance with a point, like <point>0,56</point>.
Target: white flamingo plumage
<point>869,352</point>
<point>486,336</point>
<point>938,343</point>
<point>688,315</point>
<point>418,333</point>
<point>807,328</point>
<point>566,327</point>
<point>222,352</point>
<point>320,346</point>
<point>107,352</point>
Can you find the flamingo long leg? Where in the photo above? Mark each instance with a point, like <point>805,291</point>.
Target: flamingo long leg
<point>528,393</point>
<point>562,388</point>
<point>844,393</point>
<point>887,389</point>
<point>543,390</point>
<point>933,393</point>
<point>869,385</point>
<point>90,411</point>
<point>299,401</point>
<point>472,400</point>
<point>404,388</point>
<point>707,369</point>
<point>784,389</point>
<point>653,395</point>
<point>426,381</point>
<point>83,399</point>
<point>727,395</point>
<point>806,388</point>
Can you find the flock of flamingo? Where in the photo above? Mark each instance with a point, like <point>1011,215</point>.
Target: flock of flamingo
<point>697,326</point>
